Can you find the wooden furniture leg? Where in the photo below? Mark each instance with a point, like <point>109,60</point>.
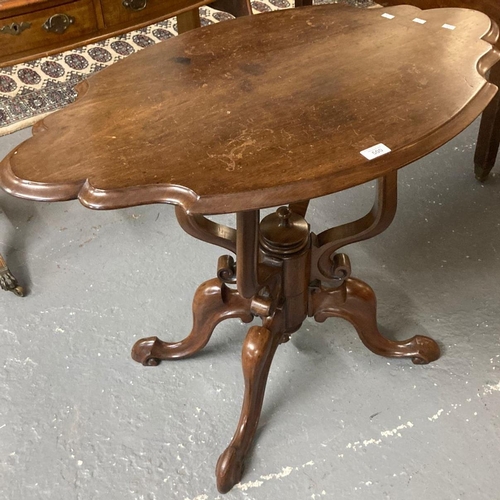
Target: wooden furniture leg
<point>235,7</point>
<point>7,281</point>
<point>213,302</point>
<point>303,3</point>
<point>355,301</point>
<point>488,140</point>
<point>257,354</point>
<point>191,19</point>
<point>188,20</point>
<point>283,273</point>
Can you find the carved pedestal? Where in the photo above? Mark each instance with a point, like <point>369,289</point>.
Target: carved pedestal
<point>283,274</point>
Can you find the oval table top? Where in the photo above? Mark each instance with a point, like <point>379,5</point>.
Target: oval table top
<point>263,110</point>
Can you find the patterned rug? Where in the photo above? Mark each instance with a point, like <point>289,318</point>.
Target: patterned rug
<point>31,90</point>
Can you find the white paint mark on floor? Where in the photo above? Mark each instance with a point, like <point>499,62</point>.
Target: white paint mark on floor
<point>368,442</point>
<point>385,434</point>
<point>248,485</point>
<point>314,496</point>
<point>285,471</point>
<point>487,389</point>
<point>395,431</point>
<point>436,416</point>
<point>490,389</point>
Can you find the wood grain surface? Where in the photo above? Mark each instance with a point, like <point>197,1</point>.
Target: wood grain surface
<point>263,110</point>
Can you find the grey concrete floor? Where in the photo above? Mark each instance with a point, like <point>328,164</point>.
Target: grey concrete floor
<point>80,420</point>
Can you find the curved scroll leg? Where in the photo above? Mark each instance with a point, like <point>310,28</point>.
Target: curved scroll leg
<point>355,301</point>
<point>213,302</point>
<point>257,354</point>
<point>7,281</point>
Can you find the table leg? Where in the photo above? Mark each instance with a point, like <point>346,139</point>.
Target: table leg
<point>283,273</point>
<point>213,302</point>
<point>188,20</point>
<point>303,3</point>
<point>257,354</point>
<point>355,301</point>
<point>488,140</point>
<point>7,280</point>
<point>237,8</point>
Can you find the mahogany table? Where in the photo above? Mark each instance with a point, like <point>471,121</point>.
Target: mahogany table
<point>265,111</point>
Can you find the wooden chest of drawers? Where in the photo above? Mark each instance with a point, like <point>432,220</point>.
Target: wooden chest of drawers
<point>33,28</point>
<point>57,25</point>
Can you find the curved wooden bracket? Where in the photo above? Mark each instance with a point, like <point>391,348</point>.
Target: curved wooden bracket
<point>247,253</point>
<point>243,241</point>
<point>379,218</point>
<point>299,207</point>
<point>204,229</point>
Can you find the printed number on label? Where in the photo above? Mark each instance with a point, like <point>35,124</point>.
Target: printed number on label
<point>375,151</point>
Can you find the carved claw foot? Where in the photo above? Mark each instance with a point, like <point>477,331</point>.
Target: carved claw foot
<point>229,469</point>
<point>7,281</point>
<point>355,301</point>
<point>257,354</point>
<point>213,302</point>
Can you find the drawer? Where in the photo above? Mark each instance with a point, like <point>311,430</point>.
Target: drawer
<point>121,12</point>
<point>47,28</point>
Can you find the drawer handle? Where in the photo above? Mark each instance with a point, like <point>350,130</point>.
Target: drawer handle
<point>135,4</point>
<point>14,28</point>
<point>58,23</point>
